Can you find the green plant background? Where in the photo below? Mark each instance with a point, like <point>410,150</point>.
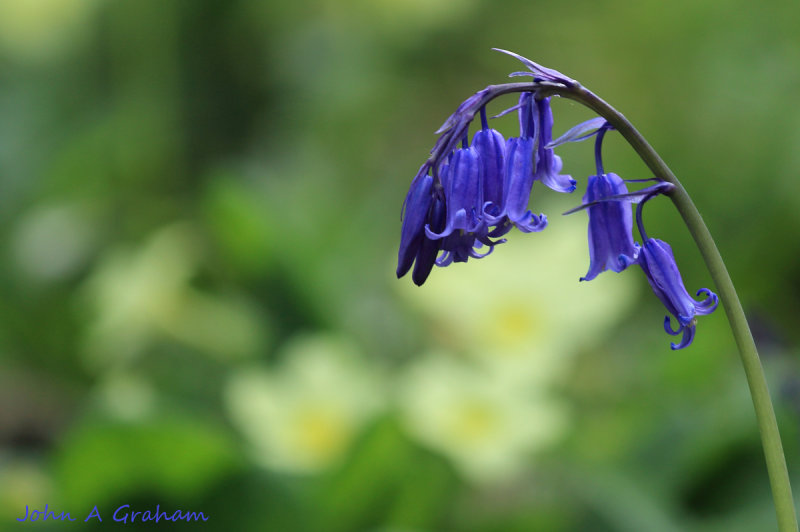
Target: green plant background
<point>199,214</point>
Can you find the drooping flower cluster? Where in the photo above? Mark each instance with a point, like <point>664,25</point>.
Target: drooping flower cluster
<point>465,198</point>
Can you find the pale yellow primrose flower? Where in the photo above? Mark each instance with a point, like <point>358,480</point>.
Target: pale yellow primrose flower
<point>302,416</point>
<point>488,426</point>
<point>138,294</point>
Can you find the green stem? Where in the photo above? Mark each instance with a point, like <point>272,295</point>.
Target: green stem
<point>765,414</point>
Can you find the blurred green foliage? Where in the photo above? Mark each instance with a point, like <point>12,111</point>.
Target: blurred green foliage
<point>199,213</point>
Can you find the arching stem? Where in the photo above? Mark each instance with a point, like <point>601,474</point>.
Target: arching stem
<point>765,414</point>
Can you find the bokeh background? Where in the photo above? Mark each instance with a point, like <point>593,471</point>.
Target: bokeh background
<point>199,214</point>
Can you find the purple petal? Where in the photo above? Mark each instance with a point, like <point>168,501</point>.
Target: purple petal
<point>490,146</point>
<point>687,339</point>
<point>528,111</point>
<point>428,249</point>
<point>668,327</point>
<point>463,192</point>
<point>708,305</point>
<point>518,177</point>
<point>548,164</point>
<point>418,204</point>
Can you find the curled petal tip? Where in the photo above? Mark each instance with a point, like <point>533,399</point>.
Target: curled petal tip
<point>686,341</point>
<point>709,304</point>
<point>668,327</point>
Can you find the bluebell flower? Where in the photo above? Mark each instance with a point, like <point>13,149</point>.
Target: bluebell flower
<point>607,201</point>
<point>490,146</point>
<point>611,245</point>
<point>536,121</point>
<point>658,263</point>
<point>517,187</point>
<point>465,231</point>
<point>415,216</point>
<point>423,207</point>
<point>429,249</point>
<point>518,176</point>
<point>548,164</point>
<point>464,193</point>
